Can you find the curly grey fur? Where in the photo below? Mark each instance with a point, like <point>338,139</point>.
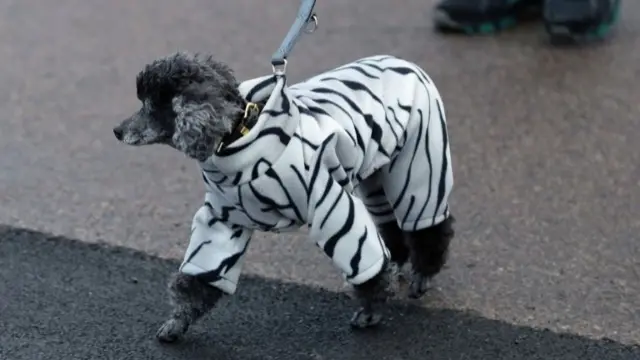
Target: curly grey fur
<point>197,131</point>
<point>189,102</point>
<point>191,299</point>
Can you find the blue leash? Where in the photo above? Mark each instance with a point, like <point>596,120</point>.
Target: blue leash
<point>306,22</point>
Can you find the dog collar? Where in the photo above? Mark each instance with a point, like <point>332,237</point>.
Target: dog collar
<point>243,126</point>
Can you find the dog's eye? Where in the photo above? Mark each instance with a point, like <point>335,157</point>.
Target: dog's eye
<point>164,95</point>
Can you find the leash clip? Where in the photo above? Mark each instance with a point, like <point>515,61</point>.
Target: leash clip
<point>312,24</point>
<point>306,22</point>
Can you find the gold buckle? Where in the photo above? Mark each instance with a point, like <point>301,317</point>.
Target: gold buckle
<point>243,129</point>
<point>250,107</point>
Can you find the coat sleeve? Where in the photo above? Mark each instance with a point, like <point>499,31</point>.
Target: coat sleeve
<point>341,225</point>
<point>216,249</point>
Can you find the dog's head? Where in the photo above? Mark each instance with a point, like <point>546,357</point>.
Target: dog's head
<point>188,102</point>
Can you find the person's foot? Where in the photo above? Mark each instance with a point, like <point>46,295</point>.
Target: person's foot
<point>481,16</point>
<point>579,20</point>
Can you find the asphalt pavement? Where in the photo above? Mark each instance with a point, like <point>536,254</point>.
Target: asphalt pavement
<point>545,156</point>
<point>65,299</point>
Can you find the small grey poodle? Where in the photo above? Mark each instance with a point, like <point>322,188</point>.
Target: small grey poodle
<point>360,154</point>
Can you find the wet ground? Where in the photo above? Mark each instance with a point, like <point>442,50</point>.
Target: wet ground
<point>64,299</point>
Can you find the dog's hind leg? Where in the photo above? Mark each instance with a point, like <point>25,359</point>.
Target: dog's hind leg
<point>428,251</point>
<point>394,240</point>
<point>378,206</point>
<point>191,298</point>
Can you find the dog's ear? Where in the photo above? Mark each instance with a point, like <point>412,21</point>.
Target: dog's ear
<point>199,128</point>
<point>222,70</point>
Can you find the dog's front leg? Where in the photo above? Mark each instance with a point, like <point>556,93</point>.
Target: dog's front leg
<point>370,294</point>
<point>211,268</point>
<point>191,298</point>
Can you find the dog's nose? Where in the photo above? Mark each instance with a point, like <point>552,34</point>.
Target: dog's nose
<point>117,132</point>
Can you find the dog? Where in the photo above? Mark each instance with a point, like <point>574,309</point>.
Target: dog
<point>360,154</point>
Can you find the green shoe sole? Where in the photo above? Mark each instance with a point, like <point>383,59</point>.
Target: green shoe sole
<point>446,24</point>
<point>562,34</point>
<point>491,24</point>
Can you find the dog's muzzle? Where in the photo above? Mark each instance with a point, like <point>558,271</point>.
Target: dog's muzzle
<point>118,131</point>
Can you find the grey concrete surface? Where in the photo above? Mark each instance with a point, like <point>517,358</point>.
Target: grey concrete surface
<point>544,142</point>
<point>64,299</point>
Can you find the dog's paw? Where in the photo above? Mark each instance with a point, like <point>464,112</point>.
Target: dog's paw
<point>362,319</point>
<point>418,286</point>
<point>171,331</point>
<point>393,283</point>
<point>394,271</point>
<point>405,272</point>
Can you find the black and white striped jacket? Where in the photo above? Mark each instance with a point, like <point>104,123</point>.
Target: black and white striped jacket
<point>325,152</point>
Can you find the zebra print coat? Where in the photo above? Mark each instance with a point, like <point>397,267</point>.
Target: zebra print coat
<point>360,145</point>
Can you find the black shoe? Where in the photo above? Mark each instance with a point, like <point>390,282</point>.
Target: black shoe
<point>580,20</point>
<point>482,16</point>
